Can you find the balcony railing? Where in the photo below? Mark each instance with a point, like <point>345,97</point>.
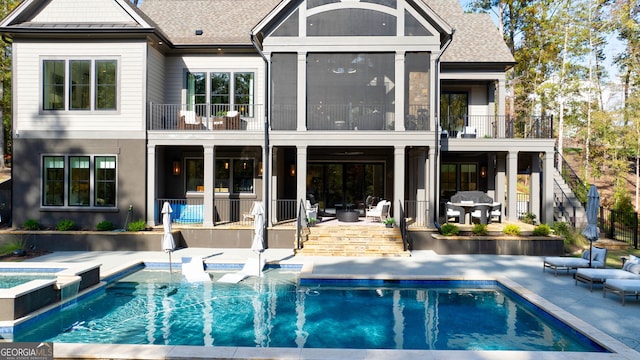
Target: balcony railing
<point>492,126</point>
<point>340,117</point>
<point>206,117</point>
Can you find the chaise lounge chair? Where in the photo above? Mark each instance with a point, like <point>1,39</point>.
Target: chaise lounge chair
<point>600,276</point>
<point>622,287</point>
<point>571,263</point>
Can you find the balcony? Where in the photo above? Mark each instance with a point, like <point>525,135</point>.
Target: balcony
<point>206,117</point>
<point>490,126</point>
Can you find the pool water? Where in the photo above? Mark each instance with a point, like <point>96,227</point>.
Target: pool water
<point>12,280</point>
<point>155,307</point>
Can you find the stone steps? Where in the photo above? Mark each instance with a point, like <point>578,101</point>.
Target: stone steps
<point>375,240</point>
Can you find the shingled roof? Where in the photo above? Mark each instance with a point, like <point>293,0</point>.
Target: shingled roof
<point>229,22</point>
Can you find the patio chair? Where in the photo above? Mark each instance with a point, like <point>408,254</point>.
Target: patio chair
<point>189,120</point>
<point>468,132</point>
<point>454,212</point>
<point>380,212</point>
<point>482,212</point>
<point>622,287</point>
<point>249,215</point>
<point>600,276</point>
<point>311,210</point>
<point>571,263</point>
<point>496,212</point>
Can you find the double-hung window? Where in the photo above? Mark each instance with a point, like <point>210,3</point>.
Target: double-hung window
<point>80,84</point>
<point>216,93</point>
<point>79,181</point>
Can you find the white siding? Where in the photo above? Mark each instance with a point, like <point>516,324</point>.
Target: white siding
<point>155,73</point>
<point>87,11</point>
<point>129,118</point>
<point>176,68</point>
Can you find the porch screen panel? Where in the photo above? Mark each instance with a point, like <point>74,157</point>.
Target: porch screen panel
<point>53,84</point>
<point>79,181</point>
<point>106,84</point>
<point>284,84</point>
<point>351,22</point>
<point>80,85</point>
<point>417,94</point>
<point>350,90</point>
<point>53,181</point>
<point>105,181</point>
<point>454,110</point>
<point>289,27</point>
<point>412,27</point>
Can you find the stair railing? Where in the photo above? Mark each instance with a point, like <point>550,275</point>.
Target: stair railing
<point>564,205</point>
<point>575,183</point>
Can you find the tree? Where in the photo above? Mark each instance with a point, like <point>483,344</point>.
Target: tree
<point>6,6</point>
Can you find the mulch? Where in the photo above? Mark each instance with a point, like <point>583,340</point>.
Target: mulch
<point>28,255</point>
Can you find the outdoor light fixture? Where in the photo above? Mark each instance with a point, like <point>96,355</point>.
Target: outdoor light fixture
<point>198,32</point>
<point>176,167</point>
<point>259,168</point>
<point>226,165</point>
<point>483,172</point>
<point>292,170</point>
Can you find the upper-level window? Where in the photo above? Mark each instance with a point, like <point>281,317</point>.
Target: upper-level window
<point>224,91</point>
<point>79,181</point>
<point>80,84</point>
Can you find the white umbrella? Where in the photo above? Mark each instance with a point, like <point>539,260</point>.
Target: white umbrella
<point>591,232</point>
<point>258,228</point>
<point>168,245</point>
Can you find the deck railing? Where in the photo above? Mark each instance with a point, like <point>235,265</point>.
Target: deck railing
<point>493,126</point>
<point>206,117</point>
<point>191,211</point>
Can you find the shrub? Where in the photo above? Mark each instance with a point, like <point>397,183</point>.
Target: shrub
<point>138,225</point>
<point>31,224</point>
<point>65,225</point>
<point>572,238</point>
<point>479,229</point>
<point>13,245</point>
<point>542,230</point>
<point>105,226</point>
<point>449,229</point>
<point>529,218</point>
<point>511,229</point>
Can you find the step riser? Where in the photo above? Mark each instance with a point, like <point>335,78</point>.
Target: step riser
<point>345,241</point>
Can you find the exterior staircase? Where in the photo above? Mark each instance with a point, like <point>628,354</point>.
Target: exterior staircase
<point>352,240</point>
<point>566,206</point>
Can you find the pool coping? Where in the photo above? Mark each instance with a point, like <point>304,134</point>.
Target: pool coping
<point>617,349</point>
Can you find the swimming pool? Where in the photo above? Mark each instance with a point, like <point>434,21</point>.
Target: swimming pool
<point>154,307</point>
<point>9,281</point>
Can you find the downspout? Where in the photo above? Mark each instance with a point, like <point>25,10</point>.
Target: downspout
<point>266,173</point>
<point>436,187</point>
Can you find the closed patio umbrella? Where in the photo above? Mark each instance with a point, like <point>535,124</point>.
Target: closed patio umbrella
<point>258,232</point>
<point>168,245</point>
<point>591,232</point>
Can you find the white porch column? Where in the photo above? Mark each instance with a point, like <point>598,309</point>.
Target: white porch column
<point>512,186</point>
<point>209,190</point>
<point>398,178</point>
<point>430,174</point>
<point>301,174</point>
<point>151,185</point>
<point>399,88</point>
<point>534,186</point>
<point>434,121</point>
<point>546,215</point>
<point>301,125</point>
<point>501,108</point>
<point>500,180</point>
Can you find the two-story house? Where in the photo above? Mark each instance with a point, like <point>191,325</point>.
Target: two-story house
<point>212,105</point>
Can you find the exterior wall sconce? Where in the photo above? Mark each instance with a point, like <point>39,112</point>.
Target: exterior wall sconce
<point>198,32</point>
<point>292,170</point>
<point>226,165</point>
<point>483,172</point>
<point>176,170</point>
<point>259,168</point>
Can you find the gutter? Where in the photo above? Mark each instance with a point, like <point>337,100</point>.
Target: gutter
<point>266,174</point>
<point>436,187</point>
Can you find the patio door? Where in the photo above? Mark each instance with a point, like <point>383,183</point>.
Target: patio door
<point>344,184</point>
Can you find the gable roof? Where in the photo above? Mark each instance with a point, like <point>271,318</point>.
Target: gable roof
<point>72,16</point>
